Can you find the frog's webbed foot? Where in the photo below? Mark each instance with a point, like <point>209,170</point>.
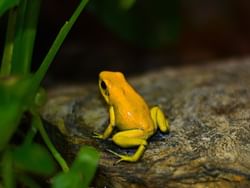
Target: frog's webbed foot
<point>159,119</point>
<point>133,158</point>
<point>122,157</point>
<point>106,133</point>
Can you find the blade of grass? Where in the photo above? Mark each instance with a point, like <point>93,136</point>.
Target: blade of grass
<point>18,42</point>
<point>39,75</point>
<point>27,96</point>
<point>25,36</point>
<point>9,43</point>
<point>29,35</point>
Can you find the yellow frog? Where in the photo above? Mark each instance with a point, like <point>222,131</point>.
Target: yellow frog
<point>130,114</point>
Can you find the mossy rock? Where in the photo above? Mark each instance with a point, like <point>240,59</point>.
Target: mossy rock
<point>208,145</point>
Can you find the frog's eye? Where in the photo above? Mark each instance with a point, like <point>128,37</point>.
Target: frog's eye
<point>103,85</point>
<point>104,88</point>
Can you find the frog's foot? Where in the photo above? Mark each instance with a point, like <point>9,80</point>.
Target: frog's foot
<point>97,135</point>
<point>132,158</point>
<point>122,157</point>
<point>159,119</point>
<point>128,139</point>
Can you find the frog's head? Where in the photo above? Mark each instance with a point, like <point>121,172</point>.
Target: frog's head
<point>109,84</point>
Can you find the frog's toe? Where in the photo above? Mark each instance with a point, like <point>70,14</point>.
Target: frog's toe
<point>114,153</point>
<point>123,157</point>
<point>118,161</point>
<point>97,135</point>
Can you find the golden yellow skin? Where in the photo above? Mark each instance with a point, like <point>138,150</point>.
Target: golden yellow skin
<point>130,114</point>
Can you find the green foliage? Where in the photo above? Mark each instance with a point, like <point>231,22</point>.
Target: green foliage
<point>14,99</point>
<point>18,161</point>
<point>81,172</point>
<point>20,93</point>
<point>38,124</point>
<point>33,158</point>
<point>7,4</point>
<point>25,34</point>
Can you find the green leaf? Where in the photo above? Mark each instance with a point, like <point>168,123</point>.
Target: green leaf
<point>7,170</point>
<point>33,158</point>
<point>20,37</point>
<point>9,44</point>
<point>27,181</point>
<point>9,119</point>
<point>27,19</point>
<point>7,4</point>
<point>81,172</point>
<point>14,99</point>
<point>86,163</point>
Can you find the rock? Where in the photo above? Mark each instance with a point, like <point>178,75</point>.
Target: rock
<point>208,145</point>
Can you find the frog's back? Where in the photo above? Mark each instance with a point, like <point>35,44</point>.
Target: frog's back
<point>133,113</point>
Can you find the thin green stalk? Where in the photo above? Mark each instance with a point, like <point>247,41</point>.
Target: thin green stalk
<point>9,43</point>
<point>39,75</point>
<point>38,123</point>
<point>30,135</point>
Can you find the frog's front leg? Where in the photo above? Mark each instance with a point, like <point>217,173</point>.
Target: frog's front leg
<point>110,127</point>
<point>159,119</point>
<point>130,138</point>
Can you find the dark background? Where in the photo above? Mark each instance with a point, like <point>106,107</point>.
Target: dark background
<point>144,36</point>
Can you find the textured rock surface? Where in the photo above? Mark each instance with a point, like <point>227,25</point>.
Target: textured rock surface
<point>208,108</point>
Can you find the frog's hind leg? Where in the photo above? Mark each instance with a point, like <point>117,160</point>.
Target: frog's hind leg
<point>130,138</point>
<point>159,119</point>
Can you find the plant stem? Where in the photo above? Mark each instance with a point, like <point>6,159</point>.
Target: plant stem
<point>9,43</point>
<point>38,123</point>
<point>39,75</point>
<point>30,135</point>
